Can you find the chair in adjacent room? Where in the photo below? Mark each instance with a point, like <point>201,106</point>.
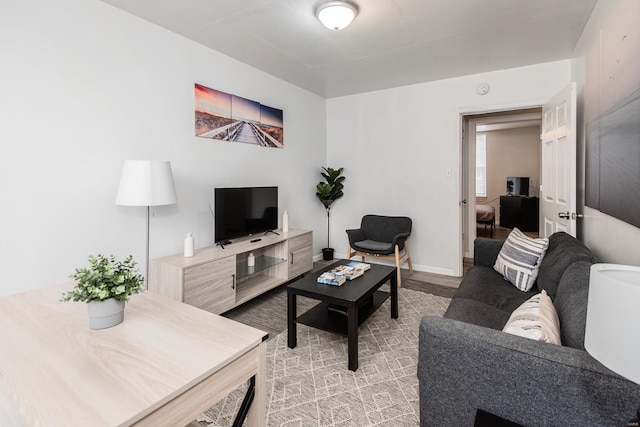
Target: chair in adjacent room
<point>383,237</point>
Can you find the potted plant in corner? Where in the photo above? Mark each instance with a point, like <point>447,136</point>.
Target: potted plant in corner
<point>328,192</point>
<point>105,286</point>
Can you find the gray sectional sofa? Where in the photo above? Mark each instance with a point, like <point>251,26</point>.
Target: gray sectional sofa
<point>467,363</point>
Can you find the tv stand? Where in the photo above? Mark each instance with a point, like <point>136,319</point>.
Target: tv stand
<point>271,231</point>
<point>519,211</point>
<point>218,279</point>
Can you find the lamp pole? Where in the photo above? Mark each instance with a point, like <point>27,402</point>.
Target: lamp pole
<point>146,183</point>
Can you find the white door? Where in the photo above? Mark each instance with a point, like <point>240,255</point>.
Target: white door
<point>468,202</point>
<point>558,180</point>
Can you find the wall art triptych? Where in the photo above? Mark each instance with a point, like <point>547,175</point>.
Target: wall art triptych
<point>219,115</point>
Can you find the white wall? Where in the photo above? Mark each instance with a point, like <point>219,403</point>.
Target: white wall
<point>83,87</point>
<point>611,240</point>
<point>397,145</point>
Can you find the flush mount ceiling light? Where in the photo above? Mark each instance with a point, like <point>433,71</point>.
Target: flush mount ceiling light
<point>336,15</point>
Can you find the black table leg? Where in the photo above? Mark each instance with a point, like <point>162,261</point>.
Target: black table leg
<point>246,403</point>
<point>292,330</point>
<point>352,336</point>
<point>394,296</point>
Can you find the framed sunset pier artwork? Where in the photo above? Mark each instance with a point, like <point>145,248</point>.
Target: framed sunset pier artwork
<point>226,117</point>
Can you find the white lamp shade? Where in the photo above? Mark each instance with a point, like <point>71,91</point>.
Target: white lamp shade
<point>613,318</point>
<point>336,15</point>
<point>146,183</point>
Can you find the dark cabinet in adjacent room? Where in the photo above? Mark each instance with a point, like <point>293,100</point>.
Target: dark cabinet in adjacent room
<point>521,212</point>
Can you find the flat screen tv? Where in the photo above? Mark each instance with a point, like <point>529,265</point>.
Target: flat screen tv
<point>244,211</point>
<point>517,185</point>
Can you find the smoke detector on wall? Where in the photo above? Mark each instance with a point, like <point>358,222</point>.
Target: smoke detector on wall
<point>482,89</point>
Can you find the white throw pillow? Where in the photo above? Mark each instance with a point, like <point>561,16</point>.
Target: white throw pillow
<point>519,259</point>
<point>536,319</point>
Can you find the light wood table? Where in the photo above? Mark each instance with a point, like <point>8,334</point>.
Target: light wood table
<point>163,366</point>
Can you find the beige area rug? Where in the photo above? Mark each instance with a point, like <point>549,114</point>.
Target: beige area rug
<point>311,385</point>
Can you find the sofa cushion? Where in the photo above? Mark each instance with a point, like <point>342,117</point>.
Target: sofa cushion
<point>477,313</point>
<point>563,251</point>
<point>519,259</point>
<point>571,303</point>
<point>535,319</point>
<point>485,251</point>
<point>485,285</point>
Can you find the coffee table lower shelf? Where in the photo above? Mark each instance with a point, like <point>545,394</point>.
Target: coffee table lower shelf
<point>327,317</point>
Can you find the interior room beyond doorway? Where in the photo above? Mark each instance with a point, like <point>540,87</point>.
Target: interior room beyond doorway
<point>503,150</point>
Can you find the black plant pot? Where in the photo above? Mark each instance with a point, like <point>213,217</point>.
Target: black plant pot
<point>327,254</point>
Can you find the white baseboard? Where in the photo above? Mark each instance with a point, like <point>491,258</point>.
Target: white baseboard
<point>416,267</point>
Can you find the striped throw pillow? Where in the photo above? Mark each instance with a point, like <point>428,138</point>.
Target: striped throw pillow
<point>536,319</point>
<point>519,259</point>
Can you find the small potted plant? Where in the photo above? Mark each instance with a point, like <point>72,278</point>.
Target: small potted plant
<point>105,286</point>
<point>328,192</point>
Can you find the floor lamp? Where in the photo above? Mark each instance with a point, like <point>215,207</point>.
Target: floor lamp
<point>613,320</point>
<point>146,183</point>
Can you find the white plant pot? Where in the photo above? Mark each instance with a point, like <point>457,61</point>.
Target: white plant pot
<point>105,314</point>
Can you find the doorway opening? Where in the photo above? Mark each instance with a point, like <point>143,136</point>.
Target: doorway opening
<point>501,167</point>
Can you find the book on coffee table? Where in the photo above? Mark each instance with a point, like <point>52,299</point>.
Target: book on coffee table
<point>338,275</point>
<point>351,273</point>
<point>330,278</point>
<point>356,269</point>
<point>359,265</point>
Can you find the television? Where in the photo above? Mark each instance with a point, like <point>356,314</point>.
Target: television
<point>518,186</point>
<point>244,211</point>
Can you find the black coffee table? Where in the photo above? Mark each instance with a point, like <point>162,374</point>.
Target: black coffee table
<point>343,308</point>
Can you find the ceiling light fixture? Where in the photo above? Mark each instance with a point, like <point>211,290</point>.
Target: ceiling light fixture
<point>336,15</point>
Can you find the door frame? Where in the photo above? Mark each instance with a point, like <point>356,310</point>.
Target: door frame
<point>467,233</point>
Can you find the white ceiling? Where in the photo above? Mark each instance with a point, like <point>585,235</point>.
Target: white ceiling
<point>390,43</point>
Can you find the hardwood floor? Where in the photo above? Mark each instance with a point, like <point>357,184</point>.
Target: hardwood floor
<point>500,233</point>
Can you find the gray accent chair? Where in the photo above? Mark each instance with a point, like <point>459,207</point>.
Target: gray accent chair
<point>383,237</point>
<point>467,363</point>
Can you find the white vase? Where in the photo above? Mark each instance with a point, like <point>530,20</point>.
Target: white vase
<point>105,314</point>
<point>285,222</point>
<point>188,245</point>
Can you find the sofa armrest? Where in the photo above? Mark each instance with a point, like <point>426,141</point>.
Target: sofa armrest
<point>485,251</point>
<point>464,367</point>
<point>356,235</point>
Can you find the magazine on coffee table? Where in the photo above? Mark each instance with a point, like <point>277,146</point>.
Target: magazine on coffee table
<point>359,265</point>
<point>338,275</point>
<point>330,278</point>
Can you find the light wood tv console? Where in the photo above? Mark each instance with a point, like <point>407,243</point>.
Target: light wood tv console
<point>217,279</point>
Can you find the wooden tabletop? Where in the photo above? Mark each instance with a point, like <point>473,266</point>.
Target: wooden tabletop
<point>54,370</point>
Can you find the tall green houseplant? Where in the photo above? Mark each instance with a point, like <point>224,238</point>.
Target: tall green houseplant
<point>328,192</point>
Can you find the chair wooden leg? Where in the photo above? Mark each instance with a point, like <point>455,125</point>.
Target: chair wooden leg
<point>398,267</point>
<point>348,251</point>
<point>406,249</point>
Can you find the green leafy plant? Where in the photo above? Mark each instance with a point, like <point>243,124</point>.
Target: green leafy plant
<point>105,278</point>
<point>330,190</point>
